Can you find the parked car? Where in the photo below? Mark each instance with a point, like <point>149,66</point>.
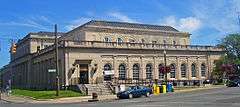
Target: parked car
<point>135,91</point>
<point>234,83</point>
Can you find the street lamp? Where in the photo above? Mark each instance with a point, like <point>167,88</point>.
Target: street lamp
<point>165,64</point>
<point>225,63</point>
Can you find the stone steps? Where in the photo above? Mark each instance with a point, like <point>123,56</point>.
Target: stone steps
<point>100,89</point>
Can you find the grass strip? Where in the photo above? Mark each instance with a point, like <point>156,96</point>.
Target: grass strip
<point>45,94</point>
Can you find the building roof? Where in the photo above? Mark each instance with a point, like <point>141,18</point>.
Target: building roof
<point>42,33</point>
<point>131,25</point>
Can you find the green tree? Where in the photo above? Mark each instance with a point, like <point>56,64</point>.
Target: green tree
<point>232,45</point>
<point>217,73</point>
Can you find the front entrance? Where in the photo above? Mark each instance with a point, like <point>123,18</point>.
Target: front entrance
<point>84,74</point>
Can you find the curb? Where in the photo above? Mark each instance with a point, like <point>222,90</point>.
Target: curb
<point>57,101</point>
<point>196,89</point>
<point>191,90</point>
<point>14,102</point>
<point>86,99</point>
<point>6,100</point>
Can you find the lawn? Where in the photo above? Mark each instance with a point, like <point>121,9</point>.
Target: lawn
<point>45,94</point>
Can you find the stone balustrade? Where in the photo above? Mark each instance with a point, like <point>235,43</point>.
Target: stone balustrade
<point>125,45</point>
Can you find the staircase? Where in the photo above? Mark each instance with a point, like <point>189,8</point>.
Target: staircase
<point>100,89</point>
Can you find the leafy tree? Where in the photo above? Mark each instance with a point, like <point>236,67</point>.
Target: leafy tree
<point>217,73</point>
<point>232,45</point>
<point>227,64</point>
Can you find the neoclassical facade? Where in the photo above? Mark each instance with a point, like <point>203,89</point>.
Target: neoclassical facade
<point>101,51</point>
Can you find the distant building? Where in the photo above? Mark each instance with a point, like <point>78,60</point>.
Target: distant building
<point>101,51</point>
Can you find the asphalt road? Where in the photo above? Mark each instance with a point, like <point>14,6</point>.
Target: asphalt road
<point>224,97</point>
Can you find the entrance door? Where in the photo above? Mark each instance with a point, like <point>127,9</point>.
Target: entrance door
<point>84,74</point>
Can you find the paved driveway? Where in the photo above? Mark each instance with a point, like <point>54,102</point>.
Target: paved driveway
<point>220,97</point>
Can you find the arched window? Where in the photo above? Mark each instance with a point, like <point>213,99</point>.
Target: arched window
<point>173,71</point>
<point>183,71</point>
<point>149,71</point>
<point>136,70</point>
<point>107,67</point>
<point>193,69</point>
<point>122,71</point>
<point>203,70</point>
<point>119,40</point>
<point>161,74</point>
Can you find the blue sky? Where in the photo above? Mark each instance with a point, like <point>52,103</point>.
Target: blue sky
<point>207,20</point>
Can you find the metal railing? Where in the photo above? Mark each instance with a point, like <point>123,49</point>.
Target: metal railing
<point>110,86</point>
<point>83,89</point>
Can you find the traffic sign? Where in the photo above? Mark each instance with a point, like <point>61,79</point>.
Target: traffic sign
<point>51,70</point>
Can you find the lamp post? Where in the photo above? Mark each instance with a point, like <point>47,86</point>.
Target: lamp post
<point>224,63</point>
<point>165,64</point>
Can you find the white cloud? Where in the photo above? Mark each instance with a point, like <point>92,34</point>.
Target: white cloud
<point>77,22</point>
<point>41,23</point>
<point>46,20</point>
<point>189,24</point>
<point>218,15</point>
<point>121,17</point>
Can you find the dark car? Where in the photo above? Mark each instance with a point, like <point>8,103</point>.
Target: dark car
<point>234,83</point>
<point>135,91</point>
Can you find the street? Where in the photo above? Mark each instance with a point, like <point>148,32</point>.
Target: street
<point>220,97</point>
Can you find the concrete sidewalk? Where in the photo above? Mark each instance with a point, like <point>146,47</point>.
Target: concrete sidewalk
<point>17,99</point>
<point>199,88</point>
<point>77,99</point>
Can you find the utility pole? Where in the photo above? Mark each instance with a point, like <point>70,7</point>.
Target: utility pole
<point>56,59</point>
<point>11,74</point>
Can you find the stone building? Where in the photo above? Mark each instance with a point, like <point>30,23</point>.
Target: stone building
<point>99,51</point>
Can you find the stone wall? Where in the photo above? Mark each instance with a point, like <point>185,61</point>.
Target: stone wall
<point>115,57</point>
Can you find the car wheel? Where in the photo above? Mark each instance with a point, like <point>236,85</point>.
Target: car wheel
<point>130,96</point>
<point>147,94</point>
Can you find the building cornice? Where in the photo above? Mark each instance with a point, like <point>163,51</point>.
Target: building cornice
<point>133,31</point>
